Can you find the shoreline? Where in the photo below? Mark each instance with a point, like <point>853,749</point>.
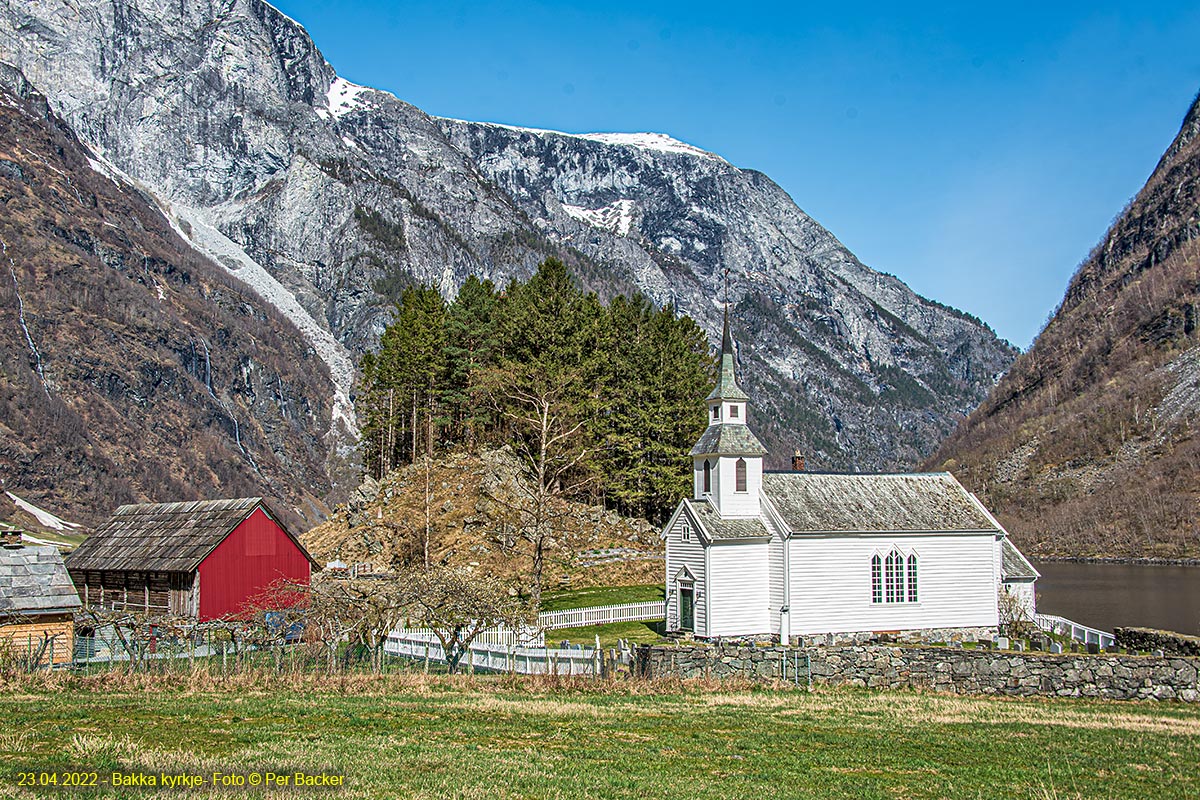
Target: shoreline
<point>1144,562</point>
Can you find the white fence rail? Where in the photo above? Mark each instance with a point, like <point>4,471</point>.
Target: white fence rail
<point>602,615</point>
<point>501,658</point>
<point>1080,633</point>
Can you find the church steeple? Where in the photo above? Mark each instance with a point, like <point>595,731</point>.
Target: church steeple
<point>727,460</point>
<point>727,387</point>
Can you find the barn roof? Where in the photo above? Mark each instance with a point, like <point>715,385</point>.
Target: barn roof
<point>1014,565</point>
<point>719,528</point>
<point>812,502</point>
<point>33,580</point>
<point>166,537</point>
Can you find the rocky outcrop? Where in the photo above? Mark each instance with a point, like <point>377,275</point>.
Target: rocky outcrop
<point>327,197</point>
<point>132,368</point>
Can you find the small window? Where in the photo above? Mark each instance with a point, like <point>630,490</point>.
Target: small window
<point>733,412</point>
<point>685,532</point>
<point>876,579</point>
<point>716,412</point>
<point>739,475</point>
<point>912,578</point>
<point>707,476</point>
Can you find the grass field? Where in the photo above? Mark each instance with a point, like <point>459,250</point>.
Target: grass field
<point>647,632</point>
<point>414,736</point>
<point>601,596</point>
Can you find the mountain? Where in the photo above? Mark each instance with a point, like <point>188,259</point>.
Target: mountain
<point>1089,445</point>
<point>327,198</point>
<point>132,367</point>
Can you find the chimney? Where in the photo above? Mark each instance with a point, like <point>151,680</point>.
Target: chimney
<point>797,462</point>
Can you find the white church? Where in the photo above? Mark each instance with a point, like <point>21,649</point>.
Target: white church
<point>799,554</point>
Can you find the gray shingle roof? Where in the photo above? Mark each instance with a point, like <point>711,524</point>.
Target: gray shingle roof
<point>1014,564</point>
<point>728,439</point>
<point>718,528</point>
<point>164,537</point>
<point>815,502</point>
<point>727,388</point>
<point>33,580</point>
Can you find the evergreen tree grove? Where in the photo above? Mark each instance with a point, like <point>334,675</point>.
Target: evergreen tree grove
<point>604,399</point>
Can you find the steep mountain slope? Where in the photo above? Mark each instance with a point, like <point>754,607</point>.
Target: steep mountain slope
<point>328,197</point>
<point>1089,444</point>
<point>131,367</point>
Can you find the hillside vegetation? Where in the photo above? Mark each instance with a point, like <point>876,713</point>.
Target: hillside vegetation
<point>472,523</point>
<point>1089,445</point>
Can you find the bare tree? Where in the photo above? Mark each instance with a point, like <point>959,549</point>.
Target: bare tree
<point>459,604</point>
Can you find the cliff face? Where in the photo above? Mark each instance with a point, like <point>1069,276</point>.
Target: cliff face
<point>131,367</point>
<point>326,198</point>
<point>1088,445</point>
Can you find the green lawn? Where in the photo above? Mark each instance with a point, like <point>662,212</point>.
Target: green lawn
<point>637,632</point>
<point>499,738</point>
<point>601,596</point>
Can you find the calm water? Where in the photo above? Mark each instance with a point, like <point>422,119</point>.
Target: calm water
<point>1109,595</point>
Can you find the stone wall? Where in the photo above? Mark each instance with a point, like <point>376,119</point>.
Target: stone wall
<point>946,669</point>
<point>1171,643</point>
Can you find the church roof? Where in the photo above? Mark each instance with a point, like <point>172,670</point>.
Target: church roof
<point>727,388</point>
<point>719,528</point>
<point>824,503</point>
<point>728,440</point>
<point>1014,565</point>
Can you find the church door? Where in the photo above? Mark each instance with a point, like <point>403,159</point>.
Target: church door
<point>687,610</point>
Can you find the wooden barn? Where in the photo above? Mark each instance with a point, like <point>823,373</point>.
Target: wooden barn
<point>204,559</point>
<point>37,602</point>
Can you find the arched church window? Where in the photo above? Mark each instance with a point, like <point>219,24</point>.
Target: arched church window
<point>912,578</point>
<point>876,579</point>
<point>739,475</point>
<point>893,577</point>
<point>707,476</point>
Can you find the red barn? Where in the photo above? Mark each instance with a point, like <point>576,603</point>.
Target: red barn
<point>204,559</point>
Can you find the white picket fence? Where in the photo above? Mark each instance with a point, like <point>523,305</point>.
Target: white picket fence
<point>601,615</point>
<point>1052,623</point>
<point>531,660</point>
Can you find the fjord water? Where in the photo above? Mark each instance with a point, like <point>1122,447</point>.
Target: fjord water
<point>1110,595</point>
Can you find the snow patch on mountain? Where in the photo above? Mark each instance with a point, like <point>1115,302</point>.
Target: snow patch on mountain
<point>658,142</point>
<point>43,517</point>
<point>195,226</point>
<point>616,217</point>
<point>342,98</point>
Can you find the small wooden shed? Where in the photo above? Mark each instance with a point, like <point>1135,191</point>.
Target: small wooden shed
<point>202,559</point>
<point>37,602</point>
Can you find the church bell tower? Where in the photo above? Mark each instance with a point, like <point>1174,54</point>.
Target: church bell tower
<point>727,461</point>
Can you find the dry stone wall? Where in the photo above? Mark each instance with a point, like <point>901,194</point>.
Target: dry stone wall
<point>947,669</point>
<point>1169,642</point>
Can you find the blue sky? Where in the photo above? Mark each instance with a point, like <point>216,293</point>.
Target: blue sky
<point>977,153</point>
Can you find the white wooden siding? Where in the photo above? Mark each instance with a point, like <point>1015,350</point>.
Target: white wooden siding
<point>775,572</point>
<point>682,554</point>
<point>831,583</point>
<point>732,503</point>
<point>739,598</point>
<point>1024,592</point>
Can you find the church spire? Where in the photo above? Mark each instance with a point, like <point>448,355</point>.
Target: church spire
<point>727,387</point>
